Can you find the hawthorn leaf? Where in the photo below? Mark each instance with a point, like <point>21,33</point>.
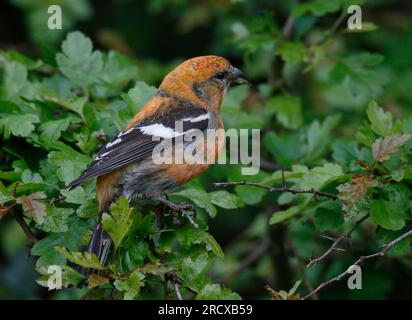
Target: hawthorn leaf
<point>83,259</point>
<point>78,61</point>
<point>383,147</point>
<point>119,221</point>
<point>19,125</point>
<point>33,206</point>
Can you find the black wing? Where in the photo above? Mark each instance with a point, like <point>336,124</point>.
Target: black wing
<point>137,143</point>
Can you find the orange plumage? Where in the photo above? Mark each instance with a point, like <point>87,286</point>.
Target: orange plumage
<point>192,93</point>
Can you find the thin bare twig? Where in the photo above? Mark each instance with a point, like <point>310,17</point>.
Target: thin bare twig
<point>174,279</point>
<point>31,238</point>
<point>276,189</point>
<point>386,247</point>
<point>177,291</point>
<point>336,242</point>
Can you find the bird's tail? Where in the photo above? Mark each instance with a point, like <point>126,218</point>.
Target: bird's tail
<point>99,245</point>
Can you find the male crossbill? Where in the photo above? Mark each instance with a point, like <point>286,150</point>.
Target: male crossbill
<point>192,94</point>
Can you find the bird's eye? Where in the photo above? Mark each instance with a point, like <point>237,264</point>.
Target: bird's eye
<point>220,75</point>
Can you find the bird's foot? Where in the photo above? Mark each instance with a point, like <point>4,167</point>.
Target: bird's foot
<point>185,208</point>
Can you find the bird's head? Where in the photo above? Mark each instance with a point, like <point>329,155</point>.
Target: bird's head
<point>204,79</point>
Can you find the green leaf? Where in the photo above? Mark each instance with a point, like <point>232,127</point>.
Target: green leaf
<point>200,199</point>
<point>131,286</point>
<point>316,7</point>
<point>387,214</point>
<point>51,130</point>
<point>360,74</point>
<point>293,52</point>
<point>280,216</point>
<point>69,162</point>
<point>21,125</point>
<point>83,259</point>
<point>213,245</point>
<point>319,135</point>
<point>118,70</point>
<point>56,220</point>
<point>118,223</point>
<point>33,205</point>
<point>78,62</point>
<point>348,153</point>
<point>137,97</point>
<point>381,121</point>
<point>383,147</point>
<point>71,239</point>
<point>288,110</point>
<point>15,78</point>
<point>77,195</point>
<point>216,292</point>
<point>319,177</point>
<point>225,199</point>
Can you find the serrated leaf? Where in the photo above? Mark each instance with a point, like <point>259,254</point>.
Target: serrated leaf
<point>77,195</point>
<point>288,110</point>
<point>95,280</point>
<point>119,221</point>
<point>383,147</point>
<point>20,125</point>
<point>131,286</point>
<point>200,199</point>
<point>351,192</point>
<point>387,214</point>
<point>137,97</point>
<point>293,52</point>
<point>225,199</point>
<point>78,62</point>
<point>52,129</point>
<point>56,220</point>
<point>381,121</point>
<point>83,259</point>
<point>33,206</point>
<point>319,135</point>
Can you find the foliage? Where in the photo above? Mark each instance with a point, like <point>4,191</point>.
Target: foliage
<point>333,116</point>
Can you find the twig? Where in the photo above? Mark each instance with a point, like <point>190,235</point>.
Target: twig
<point>287,29</point>
<point>176,288</point>
<point>336,242</point>
<point>388,246</point>
<point>174,279</point>
<point>26,229</point>
<point>276,189</point>
<point>165,290</point>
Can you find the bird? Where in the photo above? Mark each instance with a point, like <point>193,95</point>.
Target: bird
<point>192,95</point>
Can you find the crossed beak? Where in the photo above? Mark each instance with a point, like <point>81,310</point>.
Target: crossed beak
<point>237,76</point>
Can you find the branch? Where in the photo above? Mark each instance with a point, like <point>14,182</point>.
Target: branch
<point>174,279</point>
<point>336,242</point>
<point>386,247</point>
<point>276,189</point>
<point>26,229</point>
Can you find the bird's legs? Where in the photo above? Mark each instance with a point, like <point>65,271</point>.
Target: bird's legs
<point>184,208</point>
